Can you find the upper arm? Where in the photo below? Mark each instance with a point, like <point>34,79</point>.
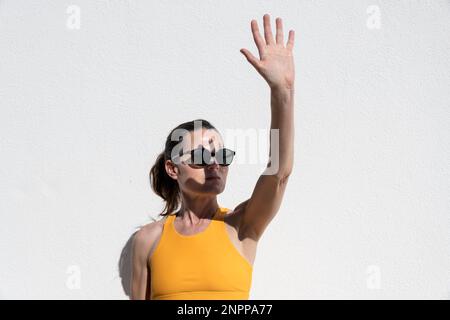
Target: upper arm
<point>143,241</point>
<point>265,201</point>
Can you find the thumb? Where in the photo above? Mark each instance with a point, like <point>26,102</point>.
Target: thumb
<point>250,58</point>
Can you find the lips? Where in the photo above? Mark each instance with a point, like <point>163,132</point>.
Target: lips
<point>212,177</point>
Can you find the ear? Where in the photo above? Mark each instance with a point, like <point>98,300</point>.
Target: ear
<point>172,169</point>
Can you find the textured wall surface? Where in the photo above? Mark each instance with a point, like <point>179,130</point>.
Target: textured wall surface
<point>90,89</point>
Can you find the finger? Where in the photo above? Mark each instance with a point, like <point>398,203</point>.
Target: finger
<point>259,41</point>
<point>290,43</point>
<point>279,35</point>
<point>267,30</point>
<point>251,58</point>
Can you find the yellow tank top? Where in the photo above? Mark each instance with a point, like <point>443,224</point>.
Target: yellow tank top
<point>203,266</point>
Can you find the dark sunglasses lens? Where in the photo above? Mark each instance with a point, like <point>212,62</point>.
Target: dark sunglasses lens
<point>202,157</point>
<point>197,157</point>
<point>224,156</point>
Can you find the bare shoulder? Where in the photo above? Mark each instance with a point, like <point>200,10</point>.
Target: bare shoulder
<point>147,236</point>
<point>234,216</point>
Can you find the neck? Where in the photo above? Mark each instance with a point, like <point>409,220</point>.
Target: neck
<point>194,212</point>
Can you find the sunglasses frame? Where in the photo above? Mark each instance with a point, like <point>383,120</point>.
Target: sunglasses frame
<point>211,155</point>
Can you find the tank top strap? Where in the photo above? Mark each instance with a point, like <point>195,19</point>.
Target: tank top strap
<point>217,220</point>
<point>169,219</point>
<point>164,234</point>
<point>221,213</point>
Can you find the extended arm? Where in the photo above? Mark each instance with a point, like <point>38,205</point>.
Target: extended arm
<point>277,68</point>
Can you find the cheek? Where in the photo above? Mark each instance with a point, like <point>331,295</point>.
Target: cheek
<point>196,174</point>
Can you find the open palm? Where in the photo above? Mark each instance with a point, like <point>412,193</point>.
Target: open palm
<point>276,63</point>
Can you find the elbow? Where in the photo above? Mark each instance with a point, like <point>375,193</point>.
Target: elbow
<point>284,174</point>
<point>281,176</point>
<point>281,173</point>
<point>283,180</point>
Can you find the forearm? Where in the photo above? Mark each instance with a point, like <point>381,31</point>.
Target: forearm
<point>282,111</point>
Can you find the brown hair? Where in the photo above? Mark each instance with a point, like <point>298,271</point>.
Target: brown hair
<point>163,185</point>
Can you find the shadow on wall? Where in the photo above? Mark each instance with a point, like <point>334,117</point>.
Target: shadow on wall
<point>126,265</point>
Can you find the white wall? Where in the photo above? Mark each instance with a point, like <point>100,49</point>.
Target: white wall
<point>84,112</point>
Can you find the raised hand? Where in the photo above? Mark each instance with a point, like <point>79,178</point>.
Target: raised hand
<point>276,63</point>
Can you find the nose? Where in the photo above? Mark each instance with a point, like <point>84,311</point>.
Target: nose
<point>213,163</point>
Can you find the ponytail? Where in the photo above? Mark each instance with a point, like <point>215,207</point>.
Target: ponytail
<point>164,186</point>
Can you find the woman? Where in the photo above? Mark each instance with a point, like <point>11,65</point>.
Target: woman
<point>203,250</point>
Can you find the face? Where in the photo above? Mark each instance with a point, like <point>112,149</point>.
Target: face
<point>193,179</point>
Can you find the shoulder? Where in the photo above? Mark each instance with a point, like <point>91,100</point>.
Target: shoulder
<point>145,238</point>
<point>233,217</point>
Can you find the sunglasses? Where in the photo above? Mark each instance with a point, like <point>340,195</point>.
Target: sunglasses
<point>202,157</point>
